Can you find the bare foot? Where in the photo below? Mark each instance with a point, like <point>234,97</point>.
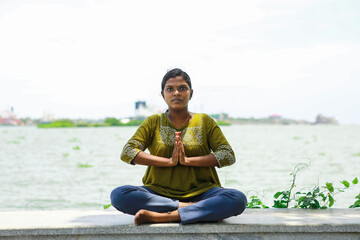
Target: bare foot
<point>185,204</point>
<point>145,216</point>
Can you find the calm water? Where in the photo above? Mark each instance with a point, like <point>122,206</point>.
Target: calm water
<point>44,168</point>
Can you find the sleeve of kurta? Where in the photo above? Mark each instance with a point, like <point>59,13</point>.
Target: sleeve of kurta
<point>138,142</point>
<point>222,150</point>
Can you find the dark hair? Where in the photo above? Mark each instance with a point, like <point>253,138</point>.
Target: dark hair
<point>175,73</point>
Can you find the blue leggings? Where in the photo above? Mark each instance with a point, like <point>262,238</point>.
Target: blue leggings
<point>213,205</point>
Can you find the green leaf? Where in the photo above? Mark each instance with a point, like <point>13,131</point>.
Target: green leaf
<point>307,201</point>
<point>277,204</point>
<point>277,194</point>
<point>323,197</point>
<point>331,201</point>
<point>358,196</point>
<point>317,190</point>
<point>107,206</point>
<point>330,187</point>
<point>356,204</point>
<point>346,184</point>
<point>317,203</point>
<point>302,198</point>
<point>355,181</point>
<point>323,207</point>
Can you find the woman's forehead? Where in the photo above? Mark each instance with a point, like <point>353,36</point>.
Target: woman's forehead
<point>179,80</point>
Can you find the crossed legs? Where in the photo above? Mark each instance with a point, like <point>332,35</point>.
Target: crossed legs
<point>147,206</point>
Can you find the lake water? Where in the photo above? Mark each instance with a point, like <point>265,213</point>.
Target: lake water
<point>52,169</point>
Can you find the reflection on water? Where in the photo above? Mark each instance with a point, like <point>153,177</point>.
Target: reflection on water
<point>48,169</point>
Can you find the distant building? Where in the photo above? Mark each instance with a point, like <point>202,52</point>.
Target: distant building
<point>47,117</point>
<point>320,119</point>
<point>8,117</point>
<point>140,104</point>
<point>142,110</point>
<point>275,116</point>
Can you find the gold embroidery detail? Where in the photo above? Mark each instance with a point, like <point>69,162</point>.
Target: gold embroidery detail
<point>224,152</point>
<point>191,136</point>
<point>132,148</point>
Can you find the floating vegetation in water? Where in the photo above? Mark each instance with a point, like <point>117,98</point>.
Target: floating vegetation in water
<point>296,138</point>
<point>322,154</point>
<point>109,205</point>
<point>84,165</point>
<point>13,142</point>
<point>76,148</point>
<point>65,154</point>
<point>357,154</point>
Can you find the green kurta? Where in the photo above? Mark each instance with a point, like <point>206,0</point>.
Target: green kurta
<point>201,136</point>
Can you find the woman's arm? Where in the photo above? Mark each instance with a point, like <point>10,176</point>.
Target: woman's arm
<point>144,158</point>
<point>200,161</point>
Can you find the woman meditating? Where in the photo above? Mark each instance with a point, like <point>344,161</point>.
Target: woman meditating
<point>180,183</point>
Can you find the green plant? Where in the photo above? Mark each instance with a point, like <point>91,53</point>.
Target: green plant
<point>316,199</point>
<point>283,198</point>
<point>255,202</point>
<point>283,201</point>
<point>356,203</point>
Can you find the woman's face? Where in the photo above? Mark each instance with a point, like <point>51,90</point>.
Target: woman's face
<point>177,93</point>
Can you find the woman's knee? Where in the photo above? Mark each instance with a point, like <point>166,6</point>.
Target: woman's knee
<point>120,197</point>
<point>239,201</point>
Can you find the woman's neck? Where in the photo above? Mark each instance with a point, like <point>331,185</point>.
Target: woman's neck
<point>178,118</point>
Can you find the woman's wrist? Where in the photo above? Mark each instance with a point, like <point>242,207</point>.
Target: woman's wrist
<point>172,163</point>
<point>186,161</point>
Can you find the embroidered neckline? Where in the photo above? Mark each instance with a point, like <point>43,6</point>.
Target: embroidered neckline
<point>178,129</point>
<point>191,135</point>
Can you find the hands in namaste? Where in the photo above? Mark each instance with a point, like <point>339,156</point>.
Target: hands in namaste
<point>178,154</point>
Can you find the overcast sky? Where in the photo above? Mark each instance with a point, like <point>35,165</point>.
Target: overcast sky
<point>94,59</point>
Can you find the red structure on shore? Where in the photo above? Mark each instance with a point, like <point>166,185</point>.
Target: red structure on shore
<point>8,117</point>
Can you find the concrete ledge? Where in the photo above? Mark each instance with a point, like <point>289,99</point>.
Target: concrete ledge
<point>252,224</point>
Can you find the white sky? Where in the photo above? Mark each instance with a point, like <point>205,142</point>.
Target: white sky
<point>94,59</point>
